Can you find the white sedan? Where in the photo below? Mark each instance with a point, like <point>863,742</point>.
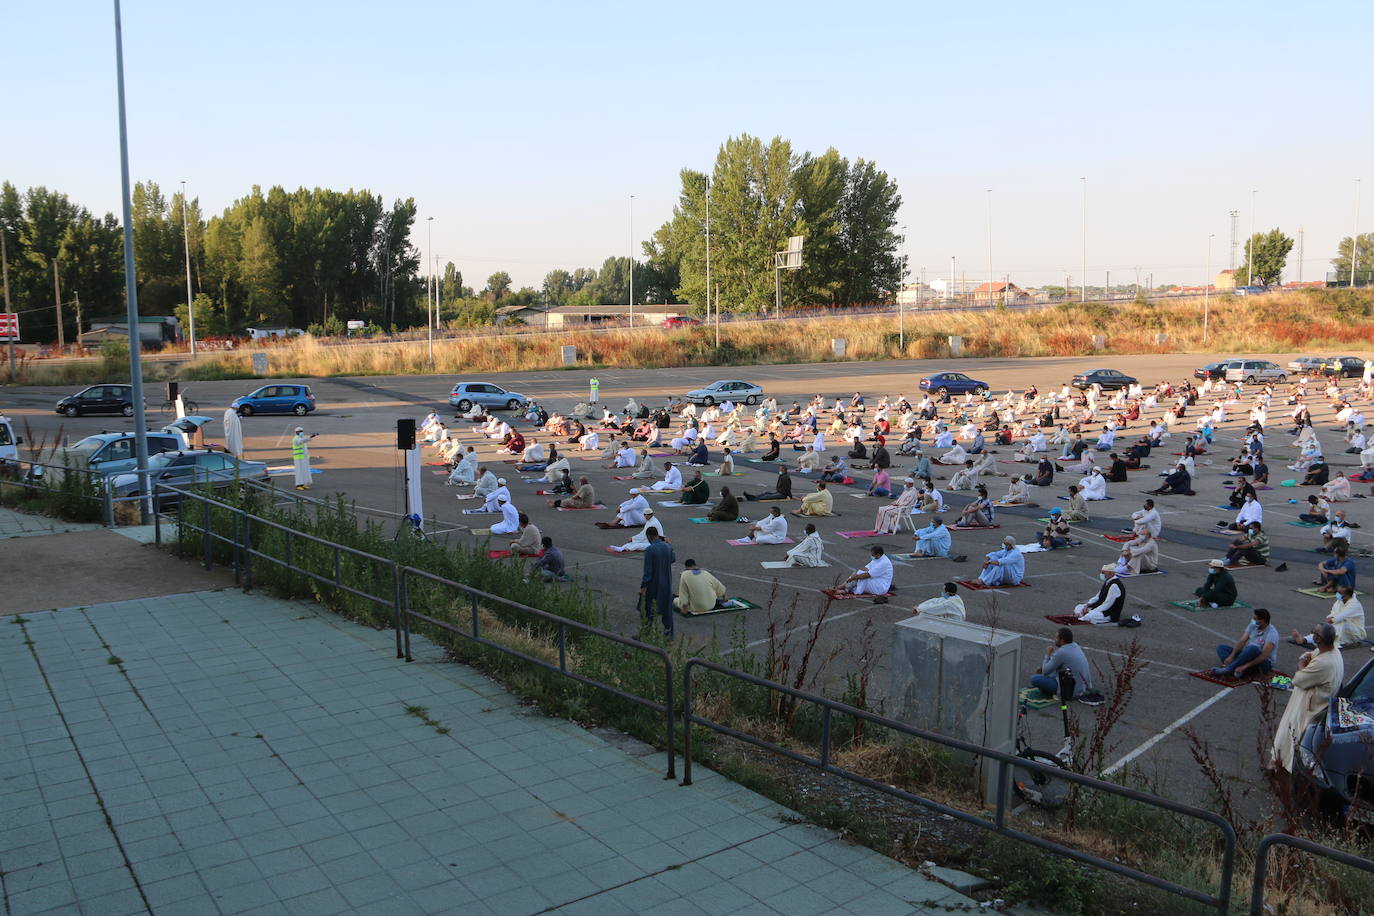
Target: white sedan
<point>720,392</point>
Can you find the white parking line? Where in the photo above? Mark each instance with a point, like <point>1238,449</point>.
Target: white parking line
<point>1173,726</point>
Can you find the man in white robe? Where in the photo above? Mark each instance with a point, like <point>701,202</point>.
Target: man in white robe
<point>771,529</point>
<point>1318,677</point>
<point>510,517</point>
<point>946,604</point>
<point>810,552</point>
<point>465,471</point>
<point>672,478</point>
<point>1148,519</point>
<point>875,578</point>
<point>631,511</point>
<point>1094,486</point>
<point>640,540</point>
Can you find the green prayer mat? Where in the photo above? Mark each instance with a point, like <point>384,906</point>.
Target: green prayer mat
<point>730,604</point>
<point>1193,606</point>
<point>1034,699</point>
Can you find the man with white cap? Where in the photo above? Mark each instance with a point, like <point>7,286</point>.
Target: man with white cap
<point>640,540</point>
<point>1004,566</point>
<point>1219,588</point>
<point>631,512</point>
<point>1093,486</point>
<point>493,501</point>
<point>300,457</point>
<point>885,521</point>
<point>1105,607</point>
<point>510,517</point>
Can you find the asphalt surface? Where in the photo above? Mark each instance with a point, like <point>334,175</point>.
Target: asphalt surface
<point>356,455</point>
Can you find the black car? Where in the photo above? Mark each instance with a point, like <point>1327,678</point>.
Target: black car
<point>1211,370</point>
<point>1343,367</point>
<point>99,399</point>
<point>1109,379</point>
<point>1335,755</point>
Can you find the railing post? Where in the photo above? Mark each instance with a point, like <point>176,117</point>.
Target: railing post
<point>1003,783</point>
<point>107,498</point>
<point>157,527</point>
<point>398,597</point>
<point>237,560</point>
<point>668,714</point>
<point>475,627</point>
<point>562,648</point>
<point>204,531</point>
<point>686,725</point>
<point>825,737</point>
<point>181,528</point>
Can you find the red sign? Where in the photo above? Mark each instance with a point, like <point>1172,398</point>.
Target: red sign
<point>9,326</point>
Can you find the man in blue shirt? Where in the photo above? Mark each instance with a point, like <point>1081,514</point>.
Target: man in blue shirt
<point>656,585</point>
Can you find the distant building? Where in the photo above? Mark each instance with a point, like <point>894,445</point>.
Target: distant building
<point>999,292</point>
<point>574,315</point>
<point>153,331</point>
<point>523,314</point>
<point>1226,280</point>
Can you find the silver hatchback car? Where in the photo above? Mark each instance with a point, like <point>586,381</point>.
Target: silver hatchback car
<point>1255,371</point>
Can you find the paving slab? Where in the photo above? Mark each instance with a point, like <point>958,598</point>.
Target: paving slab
<point>252,754</point>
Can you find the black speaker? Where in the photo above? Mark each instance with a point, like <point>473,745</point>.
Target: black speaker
<point>405,434</point>
<point>172,388</point>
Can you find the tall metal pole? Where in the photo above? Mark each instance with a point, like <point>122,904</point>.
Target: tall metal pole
<point>186,239</point>
<point>1083,279</point>
<point>921,291</point>
<point>1355,237</point>
<point>57,300</point>
<point>130,278</point>
<point>632,260</point>
<point>708,261</point>
<point>1301,242</point>
<point>989,246</point>
<point>1207,289</point>
<point>5,269</point>
<point>429,289</point>
<point>708,293</point>
<point>901,302</point>
<point>953,272</point>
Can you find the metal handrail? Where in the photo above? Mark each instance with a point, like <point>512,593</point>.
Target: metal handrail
<point>563,624</point>
<point>1307,846</point>
<point>1220,900</point>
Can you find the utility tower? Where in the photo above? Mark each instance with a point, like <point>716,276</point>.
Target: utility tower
<point>1235,224</point>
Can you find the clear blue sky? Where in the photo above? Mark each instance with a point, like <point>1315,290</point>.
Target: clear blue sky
<point>524,127</point>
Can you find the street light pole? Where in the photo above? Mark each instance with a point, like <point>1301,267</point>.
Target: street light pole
<point>901,303</point>
<point>131,278</point>
<point>429,289</point>
<point>632,260</point>
<point>1207,288</point>
<point>1250,258</point>
<point>1083,279</point>
<point>1355,237</point>
<point>708,257</point>
<point>186,239</point>
<point>989,246</point>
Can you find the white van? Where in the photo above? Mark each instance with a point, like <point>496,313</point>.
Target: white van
<point>9,442</point>
<point>1254,371</point>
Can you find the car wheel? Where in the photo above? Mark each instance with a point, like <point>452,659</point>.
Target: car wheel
<point>512,404</point>
<point>1281,379</point>
<point>464,406</point>
<point>981,391</point>
<point>300,410</point>
<point>708,401</point>
<point>1250,380</point>
<point>751,400</point>
<point>71,410</point>
<point>246,410</point>
<point>127,410</point>
<point>942,391</point>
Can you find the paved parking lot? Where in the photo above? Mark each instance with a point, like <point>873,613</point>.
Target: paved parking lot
<point>356,455</point>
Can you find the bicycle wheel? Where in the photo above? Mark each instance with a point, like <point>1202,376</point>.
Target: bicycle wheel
<point>1035,787</point>
<point>191,406</point>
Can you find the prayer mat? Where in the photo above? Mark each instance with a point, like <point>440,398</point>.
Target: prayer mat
<point>912,556</point>
<point>620,553</point>
<point>1248,566</point>
<point>1119,538</point>
<point>1091,500</point>
<point>1264,680</point>
<point>623,478</point>
<point>741,542</point>
<point>704,520</point>
<point>1305,524</point>
<point>1193,606</point>
<point>718,474</point>
<point>579,508</point>
<point>1066,620</point>
<point>481,511</point>
<point>783,564</point>
<point>841,595</point>
<point>973,527</point>
<point>977,584</point>
<point>671,504</point>
<point>505,554</point>
<point>663,454</point>
<point>614,525</point>
<point>479,531</point>
<point>439,473</point>
<point>437,464</point>
<point>1034,699</point>
<point>861,534</point>
<point>729,604</point>
<point>1156,572</point>
<point>1316,593</point>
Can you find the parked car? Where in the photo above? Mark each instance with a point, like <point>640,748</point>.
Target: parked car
<point>1109,379</point>
<point>1250,290</point>
<point>296,399</point>
<point>1308,364</point>
<point>110,453</point>
<point>718,392</point>
<point>9,442</point>
<point>99,399</point>
<point>484,394</point>
<point>1254,371</point>
<point>953,383</point>
<point>191,468</point>
<point>681,321</point>
<point>1212,370</point>
<point>1335,756</point>
<point>1343,367</point>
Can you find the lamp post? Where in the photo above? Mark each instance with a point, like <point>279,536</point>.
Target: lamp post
<point>1083,279</point>
<point>1207,288</point>
<point>1354,238</point>
<point>1250,257</point>
<point>429,289</point>
<point>901,303</point>
<point>989,246</point>
<point>186,239</point>
<point>632,260</point>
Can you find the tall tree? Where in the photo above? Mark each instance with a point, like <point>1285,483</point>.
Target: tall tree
<point>498,285</point>
<point>1270,254</point>
<point>1364,260</point>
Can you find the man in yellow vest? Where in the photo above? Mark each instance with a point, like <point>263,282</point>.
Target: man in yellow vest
<point>300,457</point>
<point>595,386</point>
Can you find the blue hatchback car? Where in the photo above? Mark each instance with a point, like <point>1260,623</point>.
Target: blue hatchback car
<point>295,399</point>
<point>953,383</point>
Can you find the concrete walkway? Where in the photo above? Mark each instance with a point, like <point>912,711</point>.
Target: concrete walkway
<point>223,752</point>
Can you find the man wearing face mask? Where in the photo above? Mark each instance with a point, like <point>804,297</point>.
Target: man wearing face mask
<point>1252,511</point>
<point>1106,606</point>
<point>1250,549</point>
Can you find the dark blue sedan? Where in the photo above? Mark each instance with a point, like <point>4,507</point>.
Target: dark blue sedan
<point>953,383</point>
<point>1335,755</point>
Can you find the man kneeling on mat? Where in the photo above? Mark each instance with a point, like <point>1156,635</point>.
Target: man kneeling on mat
<point>697,590</point>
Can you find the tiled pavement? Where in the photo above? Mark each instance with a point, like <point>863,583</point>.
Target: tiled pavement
<point>221,752</point>
<point>21,524</point>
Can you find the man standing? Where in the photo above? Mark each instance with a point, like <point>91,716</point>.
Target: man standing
<point>656,584</point>
<point>300,457</point>
<point>595,386</point>
<point>1319,675</point>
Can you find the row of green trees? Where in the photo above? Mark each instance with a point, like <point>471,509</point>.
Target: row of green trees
<point>271,258</point>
